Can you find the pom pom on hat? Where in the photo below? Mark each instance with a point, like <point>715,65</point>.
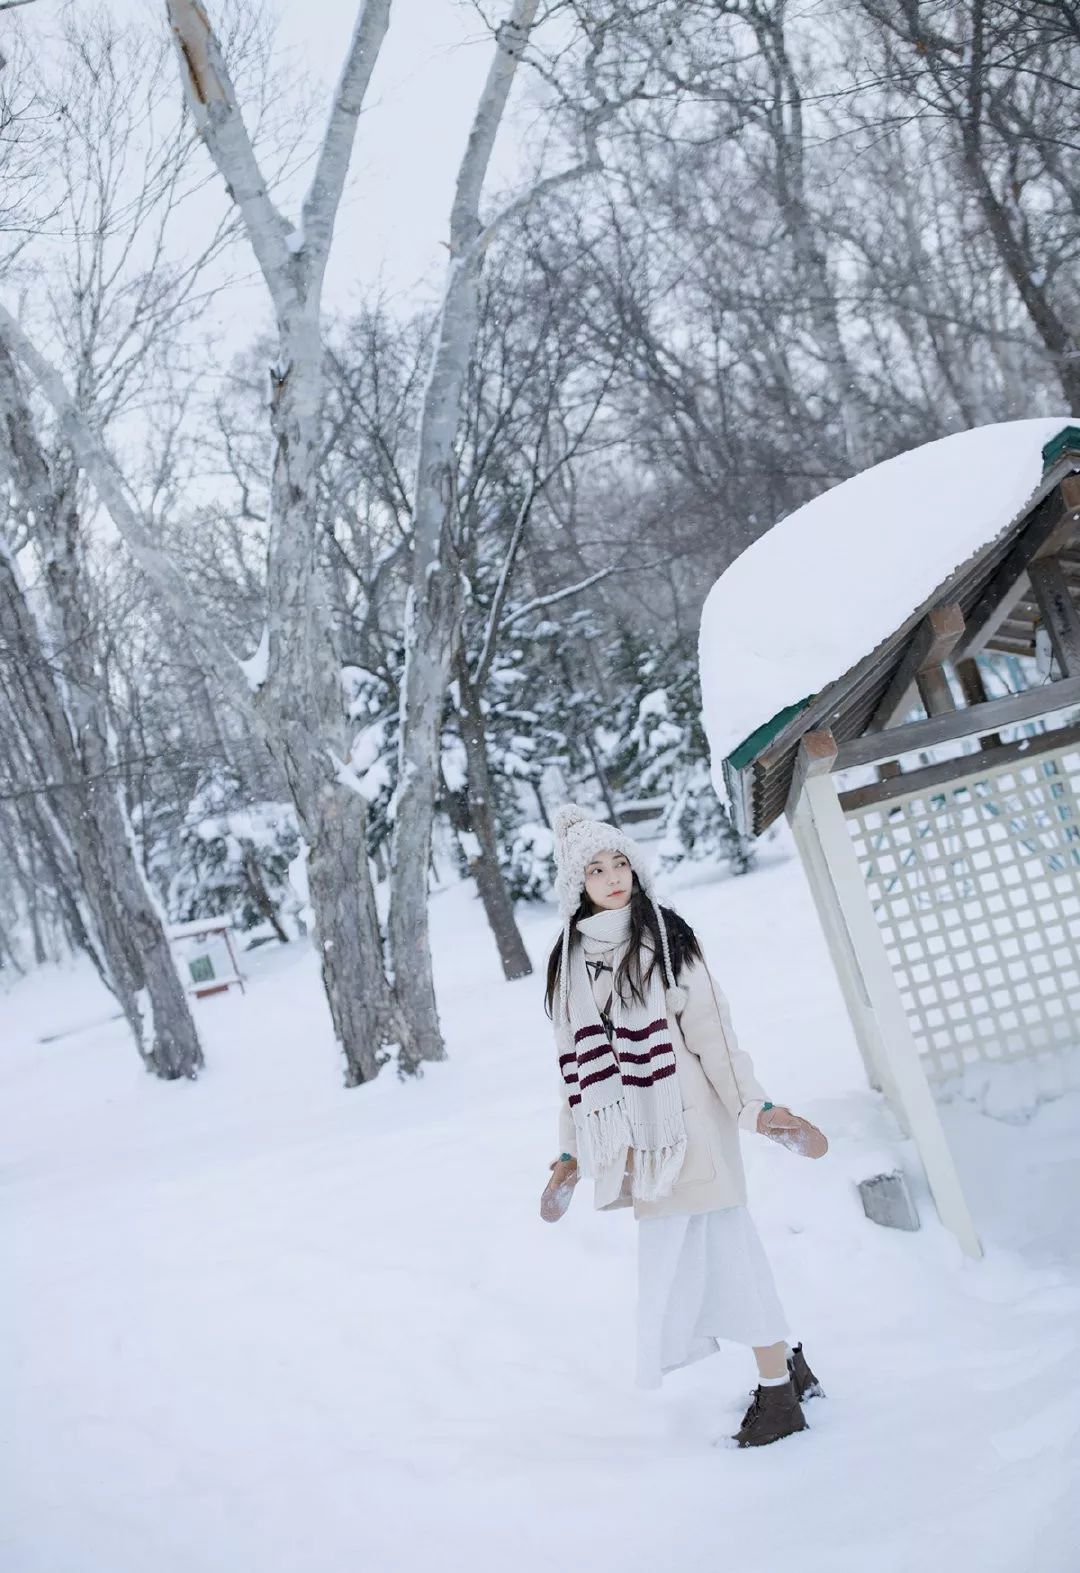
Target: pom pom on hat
<point>566,815</point>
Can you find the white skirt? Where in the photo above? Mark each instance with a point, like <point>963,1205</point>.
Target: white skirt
<point>702,1277</point>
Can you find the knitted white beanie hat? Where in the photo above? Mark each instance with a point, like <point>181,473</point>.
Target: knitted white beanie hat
<point>578,838</point>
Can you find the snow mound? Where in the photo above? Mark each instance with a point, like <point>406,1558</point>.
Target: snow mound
<point>826,585</point>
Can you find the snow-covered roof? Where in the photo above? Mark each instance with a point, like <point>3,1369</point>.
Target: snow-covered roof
<point>199,926</point>
<point>826,585</point>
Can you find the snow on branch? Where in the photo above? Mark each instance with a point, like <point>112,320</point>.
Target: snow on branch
<point>556,595</point>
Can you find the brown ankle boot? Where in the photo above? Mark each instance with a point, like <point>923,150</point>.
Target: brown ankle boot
<point>774,1413</point>
<point>806,1383</point>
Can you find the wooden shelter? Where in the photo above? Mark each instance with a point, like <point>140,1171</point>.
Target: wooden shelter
<point>943,851</point>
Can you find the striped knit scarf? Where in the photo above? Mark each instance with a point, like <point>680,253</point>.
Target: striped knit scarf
<point>623,1092</point>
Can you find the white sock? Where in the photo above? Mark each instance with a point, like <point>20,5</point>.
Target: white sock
<point>773,1381</point>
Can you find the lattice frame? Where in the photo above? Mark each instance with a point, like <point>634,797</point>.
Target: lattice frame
<point>975,886</point>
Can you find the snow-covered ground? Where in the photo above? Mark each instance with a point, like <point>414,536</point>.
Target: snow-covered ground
<point>264,1325</point>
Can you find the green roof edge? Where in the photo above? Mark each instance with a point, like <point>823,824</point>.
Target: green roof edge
<point>1067,440</point>
<point>753,745</point>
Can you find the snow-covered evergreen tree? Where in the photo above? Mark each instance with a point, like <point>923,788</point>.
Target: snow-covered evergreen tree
<point>232,858</point>
<point>661,759</point>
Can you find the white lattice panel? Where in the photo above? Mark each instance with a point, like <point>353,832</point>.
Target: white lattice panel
<point>976,889</point>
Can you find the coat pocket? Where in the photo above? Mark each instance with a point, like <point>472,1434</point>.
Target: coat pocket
<point>699,1165</point>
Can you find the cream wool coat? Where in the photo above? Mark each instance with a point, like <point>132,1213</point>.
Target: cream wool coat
<point>719,1093</point>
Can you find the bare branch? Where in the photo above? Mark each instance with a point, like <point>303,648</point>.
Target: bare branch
<point>320,206</point>
<point>101,468</point>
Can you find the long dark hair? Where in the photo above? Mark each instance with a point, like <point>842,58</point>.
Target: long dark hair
<point>682,942</point>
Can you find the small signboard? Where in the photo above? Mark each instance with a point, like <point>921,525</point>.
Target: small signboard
<point>205,956</point>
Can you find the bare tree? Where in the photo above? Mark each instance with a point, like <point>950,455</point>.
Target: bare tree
<point>59,709</point>
<point>1001,77</point>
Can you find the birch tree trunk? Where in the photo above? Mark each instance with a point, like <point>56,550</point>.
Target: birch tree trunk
<point>310,734</point>
<point>301,699</point>
<point>433,611</point>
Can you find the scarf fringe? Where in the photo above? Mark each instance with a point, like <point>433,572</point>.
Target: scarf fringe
<point>656,1170</point>
<point>603,1136</point>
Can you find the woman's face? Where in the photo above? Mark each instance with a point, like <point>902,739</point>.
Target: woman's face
<point>609,880</point>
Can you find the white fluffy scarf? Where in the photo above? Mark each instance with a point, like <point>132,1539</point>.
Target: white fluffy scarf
<point>623,1093</point>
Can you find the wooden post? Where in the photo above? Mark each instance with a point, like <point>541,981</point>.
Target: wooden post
<point>815,813</point>
<point>232,958</point>
<point>934,691</point>
<point>971,681</point>
<point>1058,613</point>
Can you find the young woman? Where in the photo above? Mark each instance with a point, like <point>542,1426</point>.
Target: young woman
<point>655,1089</point>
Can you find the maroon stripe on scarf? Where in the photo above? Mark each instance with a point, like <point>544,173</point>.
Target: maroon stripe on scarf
<point>567,1059</point>
<point>647,1081</point>
<point>570,1078</point>
<point>595,1054</point>
<point>643,1059</point>
<point>574,1098</point>
<point>635,1034</point>
<point>588,1032</point>
<point>589,1081</point>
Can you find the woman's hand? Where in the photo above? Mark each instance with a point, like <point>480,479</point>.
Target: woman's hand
<point>792,1131</point>
<point>559,1189</point>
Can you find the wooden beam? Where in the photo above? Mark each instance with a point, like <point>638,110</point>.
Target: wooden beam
<point>934,691</point>
<point>951,771</point>
<point>1050,526</point>
<point>1058,613</point>
<point>816,757</point>
<point>1010,646</point>
<point>935,638</point>
<point>974,689</point>
<point>1029,705</point>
